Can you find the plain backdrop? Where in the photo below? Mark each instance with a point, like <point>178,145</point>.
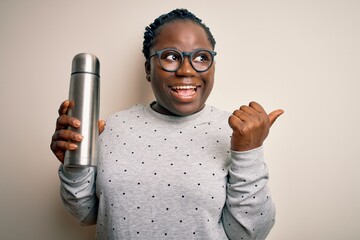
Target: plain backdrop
<point>302,56</point>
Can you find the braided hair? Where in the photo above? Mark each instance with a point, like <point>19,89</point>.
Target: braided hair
<point>152,31</point>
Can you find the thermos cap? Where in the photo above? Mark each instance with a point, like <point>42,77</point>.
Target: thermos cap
<point>85,63</point>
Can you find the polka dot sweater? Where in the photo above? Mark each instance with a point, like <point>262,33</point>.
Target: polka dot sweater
<point>166,177</point>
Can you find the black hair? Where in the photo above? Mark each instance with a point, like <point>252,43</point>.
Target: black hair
<point>151,31</point>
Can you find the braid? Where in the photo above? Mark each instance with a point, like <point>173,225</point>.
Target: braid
<point>152,30</point>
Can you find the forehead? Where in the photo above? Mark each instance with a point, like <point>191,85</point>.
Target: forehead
<point>183,35</point>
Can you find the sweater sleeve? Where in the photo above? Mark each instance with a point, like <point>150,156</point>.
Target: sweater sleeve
<point>249,212</point>
<point>78,193</point>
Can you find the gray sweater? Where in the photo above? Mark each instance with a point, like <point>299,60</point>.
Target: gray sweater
<point>166,177</point>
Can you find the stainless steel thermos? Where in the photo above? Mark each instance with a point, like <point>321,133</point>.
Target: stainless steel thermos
<point>84,96</point>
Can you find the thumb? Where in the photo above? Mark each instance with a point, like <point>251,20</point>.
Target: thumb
<point>274,115</point>
<point>101,126</point>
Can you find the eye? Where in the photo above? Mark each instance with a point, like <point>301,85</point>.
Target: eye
<point>202,56</point>
<point>171,56</point>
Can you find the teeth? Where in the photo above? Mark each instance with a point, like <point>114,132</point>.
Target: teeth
<point>183,87</point>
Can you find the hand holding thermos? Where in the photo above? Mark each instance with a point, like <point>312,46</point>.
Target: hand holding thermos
<point>75,139</point>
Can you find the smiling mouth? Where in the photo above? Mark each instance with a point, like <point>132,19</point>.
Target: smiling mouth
<point>185,90</point>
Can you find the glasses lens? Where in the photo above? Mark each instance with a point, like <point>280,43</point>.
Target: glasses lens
<point>202,60</point>
<point>170,60</point>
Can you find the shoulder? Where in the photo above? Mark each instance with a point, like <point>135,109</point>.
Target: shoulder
<point>217,114</point>
<point>216,118</point>
<point>126,114</point>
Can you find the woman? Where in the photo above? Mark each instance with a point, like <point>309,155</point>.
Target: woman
<point>176,168</point>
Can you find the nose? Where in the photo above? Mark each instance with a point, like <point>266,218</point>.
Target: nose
<point>186,68</point>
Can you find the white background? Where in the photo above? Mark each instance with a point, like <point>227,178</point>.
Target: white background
<point>302,56</point>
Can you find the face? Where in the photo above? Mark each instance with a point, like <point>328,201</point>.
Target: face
<point>185,91</point>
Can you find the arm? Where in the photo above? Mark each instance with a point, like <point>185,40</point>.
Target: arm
<point>249,212</point>
<point>78,193</point>
<point>77,184</point>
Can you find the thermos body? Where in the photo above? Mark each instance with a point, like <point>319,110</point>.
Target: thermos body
<point>84,97</point>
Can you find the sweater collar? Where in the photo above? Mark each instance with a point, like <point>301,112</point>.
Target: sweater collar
<point>193,118</point>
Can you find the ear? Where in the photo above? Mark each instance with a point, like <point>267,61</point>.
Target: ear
<point>147,71</point>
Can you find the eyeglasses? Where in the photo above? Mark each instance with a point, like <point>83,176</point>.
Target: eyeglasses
<point>171,59</point>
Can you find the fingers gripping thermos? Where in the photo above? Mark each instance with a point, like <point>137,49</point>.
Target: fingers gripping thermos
<point>84,96</point>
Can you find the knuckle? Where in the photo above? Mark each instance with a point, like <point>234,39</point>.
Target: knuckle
<point>234,122</point>
<point>52,146</point>
<point>258,121</point>
<point>252,103</point>
<point>63,107</point>
<point>259,124</point>
<point>61,120</point>
<point>55,136</point>
<point>243,107</point>
<point>235,118</point>
<point>59,134</point>
<point>246,129</point>
<point>55,146</point>
<point>231,120</point>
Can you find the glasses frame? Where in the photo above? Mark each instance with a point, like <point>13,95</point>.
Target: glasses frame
<point>183,55</point>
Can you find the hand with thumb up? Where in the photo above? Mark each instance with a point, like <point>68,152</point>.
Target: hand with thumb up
<point>251,125</point>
